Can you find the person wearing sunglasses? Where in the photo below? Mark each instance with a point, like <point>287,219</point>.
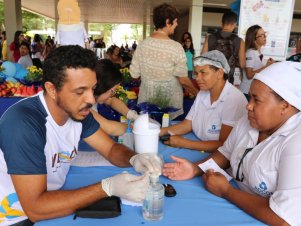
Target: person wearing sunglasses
<point>263,151</point>
<point>216,109</point>
<point>109,78</point>
<point>255,40</point>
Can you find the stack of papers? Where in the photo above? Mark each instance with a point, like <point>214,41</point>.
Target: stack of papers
<point>90,158</point>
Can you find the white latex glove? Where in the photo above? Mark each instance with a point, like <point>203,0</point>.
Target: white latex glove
<point>147,162</point>
<point>132,115</point>
<point>126,186</point>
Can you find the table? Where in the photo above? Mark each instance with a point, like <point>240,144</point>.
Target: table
<point>193,204</point>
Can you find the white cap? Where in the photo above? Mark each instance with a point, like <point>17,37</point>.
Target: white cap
<point>285,79</point>
<point>143,125</point>
<point>214,58</point>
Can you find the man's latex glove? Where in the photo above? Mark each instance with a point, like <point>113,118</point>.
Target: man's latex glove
<point>126,186</point>
<point>147,162</point>
<point>132,115</point>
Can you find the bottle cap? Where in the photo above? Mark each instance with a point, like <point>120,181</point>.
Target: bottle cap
<point>123,119</point>
<point>165,115</point>
<point>154,177</point>
<point>143,125</point>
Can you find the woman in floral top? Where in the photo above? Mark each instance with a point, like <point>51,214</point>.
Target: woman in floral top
<point>161,62</point>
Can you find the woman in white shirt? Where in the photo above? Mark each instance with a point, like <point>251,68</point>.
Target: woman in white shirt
<point>25,60</point>
<point>255,40</point>
<point>216,109</point>
<point>263,151</point>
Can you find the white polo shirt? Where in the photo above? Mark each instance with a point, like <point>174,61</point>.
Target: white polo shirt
<point>252,61</point>
<point>272,168</point>
<point>208,118</point>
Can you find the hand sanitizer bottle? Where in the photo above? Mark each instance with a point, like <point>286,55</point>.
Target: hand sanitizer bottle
<point>152,208</point>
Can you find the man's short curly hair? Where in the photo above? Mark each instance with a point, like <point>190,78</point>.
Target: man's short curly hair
<point>163,12</point>
<point>66,57</point>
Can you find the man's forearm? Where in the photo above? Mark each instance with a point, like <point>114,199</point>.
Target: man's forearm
<point>40,204</point>
<point>120,155</point>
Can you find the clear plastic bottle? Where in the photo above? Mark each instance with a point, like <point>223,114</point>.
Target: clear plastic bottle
<point>153,203</point>
<point>127,138</point>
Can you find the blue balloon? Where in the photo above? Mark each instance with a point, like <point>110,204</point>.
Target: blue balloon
<point>9,68</point>
<point>11,79</point>
<point>21,74</point>
<point>2,77</point>
<point>18,67</point>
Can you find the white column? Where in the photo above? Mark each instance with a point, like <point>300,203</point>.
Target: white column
<point>148,17</point>
<point>195,24</point>
<point>144,30</point>
<point>151,23</point>
<point>86,24</point>
<point>56,14</point>
<point>13,18</point>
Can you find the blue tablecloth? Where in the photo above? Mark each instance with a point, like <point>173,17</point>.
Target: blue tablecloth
<point>193,204</point>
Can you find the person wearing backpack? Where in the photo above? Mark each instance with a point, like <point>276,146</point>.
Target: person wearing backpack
<point>228,43</point>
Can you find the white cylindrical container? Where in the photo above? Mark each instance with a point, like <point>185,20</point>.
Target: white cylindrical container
<point>146,135</point>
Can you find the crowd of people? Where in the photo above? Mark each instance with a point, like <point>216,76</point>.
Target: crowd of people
<point>25,51</point>
<point>39,50</point>
<point>252,132</point>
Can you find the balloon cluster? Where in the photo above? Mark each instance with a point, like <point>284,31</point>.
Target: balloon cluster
<point>13,72</point>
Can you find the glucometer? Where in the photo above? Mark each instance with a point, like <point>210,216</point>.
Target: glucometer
<point>170,191</point>
<point>164,138</point>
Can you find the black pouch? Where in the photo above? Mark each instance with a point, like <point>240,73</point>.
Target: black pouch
<point>164,138</point>
<point>104,208</point>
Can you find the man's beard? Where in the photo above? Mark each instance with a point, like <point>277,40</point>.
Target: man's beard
<point>61,104</point>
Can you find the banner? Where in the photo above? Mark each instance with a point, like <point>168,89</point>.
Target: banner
<point>275,17</point>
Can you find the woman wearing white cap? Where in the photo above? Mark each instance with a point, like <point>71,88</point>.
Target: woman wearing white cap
<point>263,150</point>
<point>216,109</point>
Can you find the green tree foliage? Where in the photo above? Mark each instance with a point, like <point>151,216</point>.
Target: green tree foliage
<point>1,14</point>
<point>33,21</point>
<point>30,20</point>
<point>104,29</point>
<point>137,31</point>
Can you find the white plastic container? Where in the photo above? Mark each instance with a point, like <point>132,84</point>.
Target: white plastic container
<point>146,135</point>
